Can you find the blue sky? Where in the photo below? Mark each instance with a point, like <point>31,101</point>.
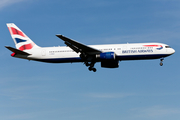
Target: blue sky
<point>137,90</point>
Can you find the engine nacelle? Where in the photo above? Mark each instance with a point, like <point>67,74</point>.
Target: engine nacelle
<point>106,56</point>
<point>110,64</point>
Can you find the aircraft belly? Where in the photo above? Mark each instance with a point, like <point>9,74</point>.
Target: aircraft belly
<point>58,58</point>
<point>141,57</point>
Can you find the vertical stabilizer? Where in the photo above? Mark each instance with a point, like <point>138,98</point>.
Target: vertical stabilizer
<point>21,40</point>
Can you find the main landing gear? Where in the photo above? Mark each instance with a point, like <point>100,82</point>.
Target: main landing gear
<point>89,62</point>
<point>161,61</point>
<point>91,66</point>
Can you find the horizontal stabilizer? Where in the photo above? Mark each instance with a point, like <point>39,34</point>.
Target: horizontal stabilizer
<point>17,51</point>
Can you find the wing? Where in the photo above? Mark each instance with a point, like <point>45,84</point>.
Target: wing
<point>78,47</point>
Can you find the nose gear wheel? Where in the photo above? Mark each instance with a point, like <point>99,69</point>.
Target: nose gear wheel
<point>161,61</point>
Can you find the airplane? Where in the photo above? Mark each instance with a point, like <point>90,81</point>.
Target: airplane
<point>108,55</point>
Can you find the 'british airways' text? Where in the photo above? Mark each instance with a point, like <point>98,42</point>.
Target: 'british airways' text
<point>137,51</point>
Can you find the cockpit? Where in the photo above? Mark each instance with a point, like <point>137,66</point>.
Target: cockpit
<point>167,47</point>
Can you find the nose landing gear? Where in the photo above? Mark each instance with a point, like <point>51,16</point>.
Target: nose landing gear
<point>161,61</point>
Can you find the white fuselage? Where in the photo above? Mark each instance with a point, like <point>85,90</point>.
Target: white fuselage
<point>123,52</point>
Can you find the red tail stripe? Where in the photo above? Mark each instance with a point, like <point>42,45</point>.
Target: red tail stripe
<point>16,32</point>
<point>26,47</point>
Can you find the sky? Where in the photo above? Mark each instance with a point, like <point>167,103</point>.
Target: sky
<point>137,90</point>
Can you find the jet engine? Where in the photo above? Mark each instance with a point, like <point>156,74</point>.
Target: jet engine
<point>108,60</point>
<point>110,63</point>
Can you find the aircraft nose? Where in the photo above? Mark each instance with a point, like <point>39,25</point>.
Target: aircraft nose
<point>173,51</point>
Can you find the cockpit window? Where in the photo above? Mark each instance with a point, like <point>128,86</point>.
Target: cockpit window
<point>167,46</point>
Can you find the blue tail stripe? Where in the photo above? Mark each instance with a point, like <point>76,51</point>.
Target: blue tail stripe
<point>19,40</point>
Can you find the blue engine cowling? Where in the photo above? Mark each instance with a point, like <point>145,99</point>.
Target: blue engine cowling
<point>106,56</point>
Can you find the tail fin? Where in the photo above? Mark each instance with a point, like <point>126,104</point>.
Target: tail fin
<point>21,41</point>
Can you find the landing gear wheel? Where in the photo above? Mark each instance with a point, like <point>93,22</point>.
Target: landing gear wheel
<point>161,61</point>
<point>161,64</point>
<point>91,65</point>
<point>87,64</point>
<point>94,69</point>
<point>90,68</point>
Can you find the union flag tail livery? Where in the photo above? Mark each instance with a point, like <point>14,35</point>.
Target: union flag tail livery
<point>21,40</point>
<point>108,55</point>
